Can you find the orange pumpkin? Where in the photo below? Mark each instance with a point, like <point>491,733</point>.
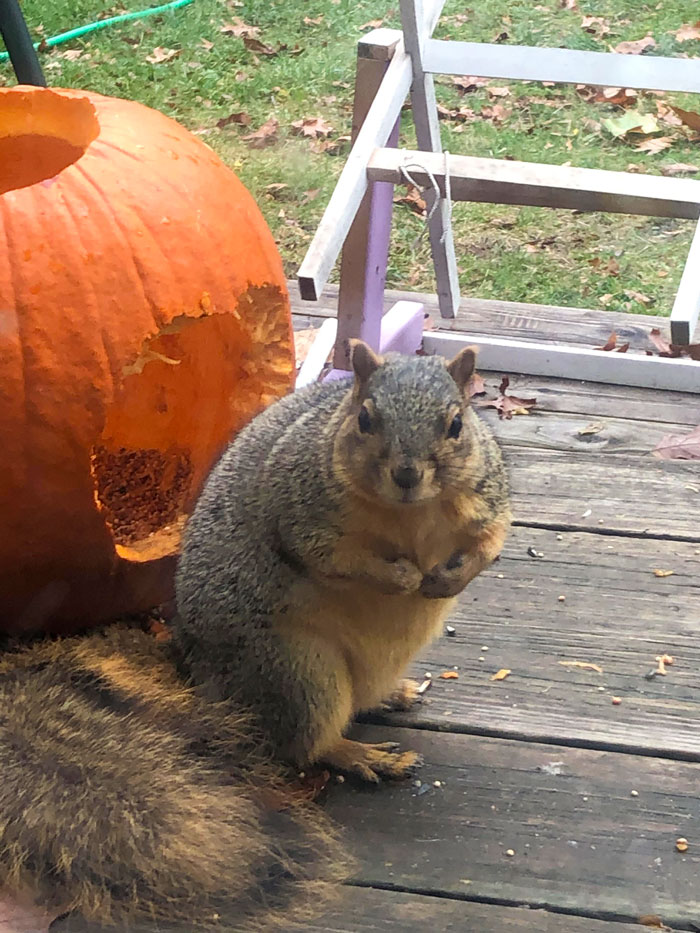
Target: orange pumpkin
<point>144,318</point>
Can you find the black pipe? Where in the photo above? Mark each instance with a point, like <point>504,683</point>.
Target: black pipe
<point>19,44</point>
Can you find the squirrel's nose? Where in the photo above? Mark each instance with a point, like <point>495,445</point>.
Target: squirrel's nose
<point>407,477</point>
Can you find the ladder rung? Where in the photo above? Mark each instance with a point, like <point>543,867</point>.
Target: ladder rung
<point>497,181</point>
<point>564,66</point>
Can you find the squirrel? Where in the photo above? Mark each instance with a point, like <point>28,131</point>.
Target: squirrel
<point>150,782</point>
<point>328,546</point>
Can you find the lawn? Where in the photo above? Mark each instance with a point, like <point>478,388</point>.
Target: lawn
<point>226,68</point>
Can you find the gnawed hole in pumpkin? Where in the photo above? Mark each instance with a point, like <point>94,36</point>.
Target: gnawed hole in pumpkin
<point>191,387</point>
<point>41,134</point>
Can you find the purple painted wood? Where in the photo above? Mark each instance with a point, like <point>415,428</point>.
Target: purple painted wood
<point>378,237</point>
<point>401,332</point>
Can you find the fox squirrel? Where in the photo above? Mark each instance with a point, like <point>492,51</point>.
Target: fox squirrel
<point>327,546</point>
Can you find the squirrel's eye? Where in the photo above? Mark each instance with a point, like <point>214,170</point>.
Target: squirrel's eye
<point>455,427</point>
<point>364,421</point>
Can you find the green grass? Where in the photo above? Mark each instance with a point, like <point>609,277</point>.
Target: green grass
<point>525,254</point>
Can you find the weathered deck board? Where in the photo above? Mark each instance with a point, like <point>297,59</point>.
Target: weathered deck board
<point>562,431</point>
<point>545,323</point>
<point>625,495</point>
<point>582,843</point>
<point>616,614</point>
<point>368,910</point>
<point>598,400</point>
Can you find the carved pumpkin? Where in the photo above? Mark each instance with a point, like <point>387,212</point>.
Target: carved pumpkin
<point>144,318</point>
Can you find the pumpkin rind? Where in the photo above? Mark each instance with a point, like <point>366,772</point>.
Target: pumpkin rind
<point>144,318</point>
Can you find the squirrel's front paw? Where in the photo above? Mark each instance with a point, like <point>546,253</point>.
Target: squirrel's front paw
<point>446,580</point>
<point>402,577</point>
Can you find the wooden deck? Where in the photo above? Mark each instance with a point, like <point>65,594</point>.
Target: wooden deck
<point>589,795</point>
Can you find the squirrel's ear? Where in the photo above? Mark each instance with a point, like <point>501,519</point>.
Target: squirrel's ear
<point>363,360</point>
<point>461,368</point>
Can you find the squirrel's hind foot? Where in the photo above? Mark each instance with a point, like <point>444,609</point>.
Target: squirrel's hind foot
<point>404,698</point>
<point>372,762</point>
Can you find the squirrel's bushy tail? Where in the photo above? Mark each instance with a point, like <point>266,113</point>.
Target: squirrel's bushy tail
<point>126,798</point>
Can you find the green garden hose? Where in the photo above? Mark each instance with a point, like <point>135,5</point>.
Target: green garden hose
<point>100,24</point>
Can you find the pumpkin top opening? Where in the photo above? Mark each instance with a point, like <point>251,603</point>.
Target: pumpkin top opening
<point>41,134</point>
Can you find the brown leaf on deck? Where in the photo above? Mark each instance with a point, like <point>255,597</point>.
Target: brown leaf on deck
<point>449,675</point>
<point>679,446</point>
<point>610,344</point>
<point>508,405</point>
<point>500,675</point>
<point>663,573</point>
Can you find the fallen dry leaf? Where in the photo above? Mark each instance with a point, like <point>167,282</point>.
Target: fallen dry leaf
<point>638,296</point>
<point>663,573</point>
<point>680,168</point>
<point>593,428</point>
<point>240,29</point>
<point>449,675</point>
<point>688,117</point>
<point>500,675</point>
<point>310,21</point>
<point>655,144</point>
<point>666,114</point>
<point>568,4</point>
<point>508,405</point>
<point>498,91</point>
<point>610,344</point>
<point>596,25</point>
<point>413,200</point>
<point>611,267</point>
<point>635,47</point>
<point>313,127</point>
<point>241,118</point>
<point>583,665</point>
<point>266,135</point>
<point>72,55</point>
<point>620,96</point>
<point>679,447</point>
<point>467,83</point>
<point>261,48</point>
<point>498,113</point>
<point>659,341</point>
<point>160,55</point>
<point>688,31</point>
<point>372,24</point>
<point>206,44</point>
<point>632,121</point>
